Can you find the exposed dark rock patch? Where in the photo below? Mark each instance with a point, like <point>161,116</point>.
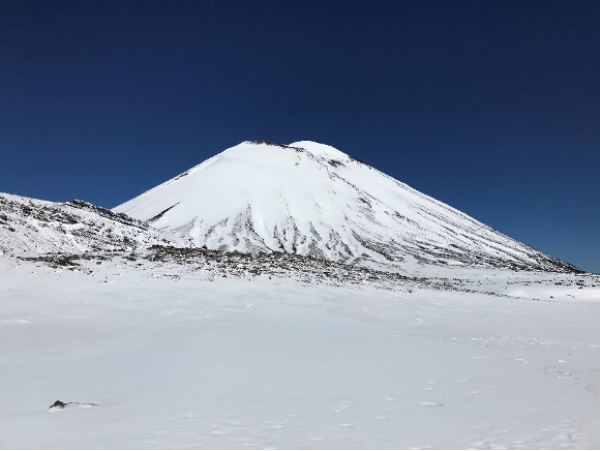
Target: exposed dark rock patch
<point>162,213</point>
<point>275,144</point>
<point>59,405</point>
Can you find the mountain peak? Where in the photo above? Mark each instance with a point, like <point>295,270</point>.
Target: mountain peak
<point>312,147</point>
<point>318,148</point>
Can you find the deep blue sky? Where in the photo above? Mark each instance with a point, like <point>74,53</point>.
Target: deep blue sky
<point>490,106</point>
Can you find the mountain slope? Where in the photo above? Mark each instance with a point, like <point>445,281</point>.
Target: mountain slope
<point>31,226</point>
<point>312,199</point>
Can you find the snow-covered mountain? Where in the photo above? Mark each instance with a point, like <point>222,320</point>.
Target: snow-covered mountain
<point>314,200</point>
<point>452,356</point>
<point>31,226</point>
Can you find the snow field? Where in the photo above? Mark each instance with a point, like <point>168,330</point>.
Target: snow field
<point>175,360</point>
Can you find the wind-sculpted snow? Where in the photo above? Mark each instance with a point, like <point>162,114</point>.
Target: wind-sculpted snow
<point>30,226</point>
<point>311,199</point>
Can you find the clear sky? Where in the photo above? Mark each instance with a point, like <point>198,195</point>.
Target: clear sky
<point>490,106</point>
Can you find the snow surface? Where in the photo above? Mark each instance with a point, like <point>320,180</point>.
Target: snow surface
<point>312,199</point>
<point>169,356</point>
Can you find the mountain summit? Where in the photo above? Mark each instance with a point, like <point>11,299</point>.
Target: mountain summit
<point>312,199</point>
